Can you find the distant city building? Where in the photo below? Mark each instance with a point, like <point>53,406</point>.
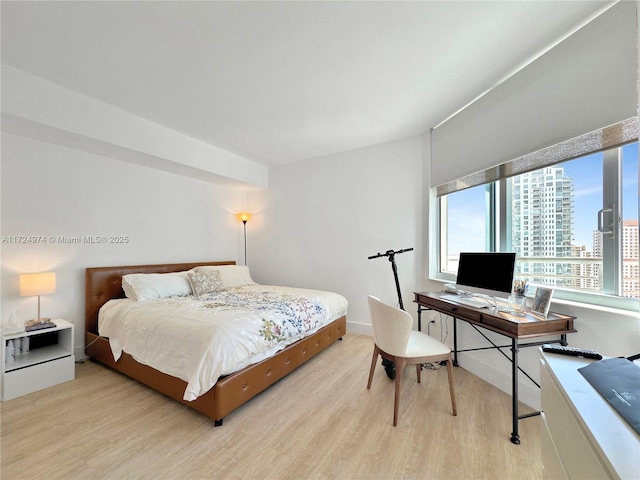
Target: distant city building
<point>586,272</point>
<point>630,259</point>
<point>542,228</point>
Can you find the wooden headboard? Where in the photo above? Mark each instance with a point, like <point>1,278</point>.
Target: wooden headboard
<point>101,284</point>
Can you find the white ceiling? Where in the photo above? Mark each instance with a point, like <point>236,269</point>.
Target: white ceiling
<point>278,82</point>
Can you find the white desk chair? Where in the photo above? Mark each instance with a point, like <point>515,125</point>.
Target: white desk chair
<point>396,341</point>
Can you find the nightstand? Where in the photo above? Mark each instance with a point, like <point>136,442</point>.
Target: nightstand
<point>50,360</point>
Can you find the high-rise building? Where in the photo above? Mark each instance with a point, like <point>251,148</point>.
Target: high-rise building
<point>542,213</point>
<point>630,259</point>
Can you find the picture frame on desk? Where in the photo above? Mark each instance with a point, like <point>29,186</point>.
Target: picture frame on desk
<point>542,301</point>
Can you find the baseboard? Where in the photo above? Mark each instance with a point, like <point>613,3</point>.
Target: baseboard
<point>361,328</point>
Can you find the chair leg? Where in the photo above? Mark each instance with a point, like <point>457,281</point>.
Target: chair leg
<point>374,360</point>
<point>418,372</point>
<point>400,364</point>
<point>451,389</point>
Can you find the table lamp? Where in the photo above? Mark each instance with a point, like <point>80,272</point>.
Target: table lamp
<point>38,284</point>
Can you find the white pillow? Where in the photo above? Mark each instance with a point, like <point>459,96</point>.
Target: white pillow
<point>150,286</point>
<point>232,275</point>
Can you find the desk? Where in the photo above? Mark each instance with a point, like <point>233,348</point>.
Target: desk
<point>529,325</point>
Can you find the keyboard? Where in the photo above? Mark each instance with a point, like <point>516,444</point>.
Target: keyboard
<point>573,351</point>
<point>469,302</point>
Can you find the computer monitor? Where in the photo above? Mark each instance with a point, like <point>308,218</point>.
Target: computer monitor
<point>489,273</point>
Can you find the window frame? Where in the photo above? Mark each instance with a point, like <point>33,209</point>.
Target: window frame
<point>499,208</point>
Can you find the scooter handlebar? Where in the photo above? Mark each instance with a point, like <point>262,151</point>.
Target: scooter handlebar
<point>389,253</point>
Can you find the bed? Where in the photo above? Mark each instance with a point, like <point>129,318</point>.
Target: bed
<point>104,293</point>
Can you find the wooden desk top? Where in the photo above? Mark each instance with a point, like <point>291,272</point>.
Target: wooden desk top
<point>515,326</point>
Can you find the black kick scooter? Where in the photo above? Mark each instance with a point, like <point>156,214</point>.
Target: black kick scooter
<point>389,366</point>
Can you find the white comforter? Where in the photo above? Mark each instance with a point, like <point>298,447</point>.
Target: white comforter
<point>198,339</point>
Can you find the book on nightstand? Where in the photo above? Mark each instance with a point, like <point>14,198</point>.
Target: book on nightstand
<point>32,325</point>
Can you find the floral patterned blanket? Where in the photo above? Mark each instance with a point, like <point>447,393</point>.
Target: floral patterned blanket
<point>198,339</point>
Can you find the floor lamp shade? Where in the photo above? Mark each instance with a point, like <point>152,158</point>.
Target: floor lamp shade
<point>243,217</point>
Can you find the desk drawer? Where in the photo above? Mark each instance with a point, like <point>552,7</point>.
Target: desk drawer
<point>504,326</point>
<point>458,311</point>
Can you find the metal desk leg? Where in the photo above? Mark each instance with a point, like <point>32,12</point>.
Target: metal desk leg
<point>515,437</point>
<point>455,342</point>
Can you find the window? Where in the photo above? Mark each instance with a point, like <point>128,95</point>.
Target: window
<point>572,224</point>
<point>466,227</point>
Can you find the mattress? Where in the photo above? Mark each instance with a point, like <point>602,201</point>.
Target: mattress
<point>200,338</point>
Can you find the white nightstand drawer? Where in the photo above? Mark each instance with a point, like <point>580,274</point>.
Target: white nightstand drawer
<point>36,377</point>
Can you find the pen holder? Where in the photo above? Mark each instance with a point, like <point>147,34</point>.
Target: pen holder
<point>517,304</point>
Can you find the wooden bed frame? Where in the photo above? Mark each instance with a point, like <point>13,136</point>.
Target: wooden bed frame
<point>104,283</point>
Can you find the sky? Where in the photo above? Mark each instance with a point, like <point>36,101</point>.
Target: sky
<point>466,208</point>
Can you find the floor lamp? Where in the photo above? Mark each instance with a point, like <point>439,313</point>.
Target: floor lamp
<point>244,218</point>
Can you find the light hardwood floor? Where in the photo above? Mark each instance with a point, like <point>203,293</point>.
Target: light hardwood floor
<point>318,423</point>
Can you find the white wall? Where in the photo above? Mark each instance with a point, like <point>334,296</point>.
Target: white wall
<point>319,221</point>
<point>51,191</point>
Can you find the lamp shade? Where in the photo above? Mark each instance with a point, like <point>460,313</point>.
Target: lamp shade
<point>243,217</point>
<point>32,284</point>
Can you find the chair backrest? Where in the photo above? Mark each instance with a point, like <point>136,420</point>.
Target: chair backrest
<point>391,326</point>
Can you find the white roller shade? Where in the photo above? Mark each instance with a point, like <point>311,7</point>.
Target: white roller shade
<point>585,83</point>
